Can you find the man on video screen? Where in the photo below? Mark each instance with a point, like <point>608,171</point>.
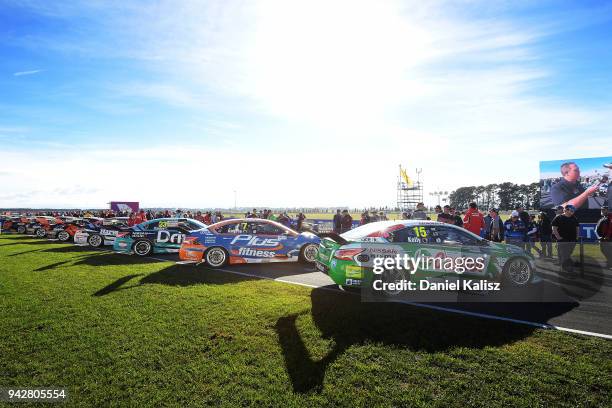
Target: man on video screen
<point>568,190</point>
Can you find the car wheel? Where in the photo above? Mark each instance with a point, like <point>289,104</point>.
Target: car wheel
<point>517,272</point>
<point>308,253</point>
<point>143,247</point>
<point>63,236</point>
<point>216,257</point>
<point>392,276</point>
<point>94,240</point>
<point>21,229</point>
<point>40,232</point>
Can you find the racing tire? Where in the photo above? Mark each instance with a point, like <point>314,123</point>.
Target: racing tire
<point>95,241</point>
<point>517,272</point>
<point>143,247</point>
<point>216,257</point>
<point>390,276</point>
<point>63,236</point>
<point>21,229</point>
<point>40,232</point>
<point>308,253</point>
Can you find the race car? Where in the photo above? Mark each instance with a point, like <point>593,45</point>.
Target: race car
<point>14,224</point>
<point>250,240</point>
<point>349,258</point>
<point>69,226</point>
<point>103,233</point>
<point>40,225</point>
<point>160,236</point>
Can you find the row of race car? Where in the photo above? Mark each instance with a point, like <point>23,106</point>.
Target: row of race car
<point>349,258</point>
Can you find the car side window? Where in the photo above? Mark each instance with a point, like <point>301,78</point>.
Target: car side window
<point>264,228</point>
<point>152,226</point>
<point>452,236</point>
<point>407,234</point>
<point>231,228</point>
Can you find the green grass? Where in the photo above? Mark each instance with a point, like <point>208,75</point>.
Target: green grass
<point>118,330</point>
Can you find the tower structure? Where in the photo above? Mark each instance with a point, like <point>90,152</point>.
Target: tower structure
<point>409,190</point>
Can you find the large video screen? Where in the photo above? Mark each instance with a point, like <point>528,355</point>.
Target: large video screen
<point>581,182</point>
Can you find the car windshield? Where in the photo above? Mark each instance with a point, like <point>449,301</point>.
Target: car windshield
<point>366,230</point>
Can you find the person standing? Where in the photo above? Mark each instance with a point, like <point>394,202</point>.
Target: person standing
<point>456,217</point>
<point>419,213</point>
<point>545,231</point>
<point>514,230</point>
<point>604,235</point>
<point>532,235</point>
<point>365,218</point>
<point>337,222</point>
<point>346,222</point>
<point>565,228</point>
<point>495,229</point>
<point>473,220</point>
<point>446,216</point>
<point>299,221</point>
<point>140,217</point>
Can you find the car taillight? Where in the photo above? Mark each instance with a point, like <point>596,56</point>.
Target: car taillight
<point>191,241</point>
<point>348,254</point>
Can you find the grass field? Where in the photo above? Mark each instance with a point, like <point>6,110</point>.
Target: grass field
<point>117,330</point>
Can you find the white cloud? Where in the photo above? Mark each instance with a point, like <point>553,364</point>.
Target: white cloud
<point>32,72</point>
<point>356,88</point>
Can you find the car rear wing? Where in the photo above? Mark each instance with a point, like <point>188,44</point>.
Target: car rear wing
<point>333,236</point>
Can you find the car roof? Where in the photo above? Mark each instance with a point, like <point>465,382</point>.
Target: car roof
<point>379,226</point>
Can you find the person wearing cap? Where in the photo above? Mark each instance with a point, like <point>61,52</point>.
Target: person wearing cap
<point>495,226</point>
<point>603,230</point>
<point>514,230</point>
<point>566,229</point>
<point>568,190</point>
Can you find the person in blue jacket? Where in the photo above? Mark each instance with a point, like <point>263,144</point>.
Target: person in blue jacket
<point>515,230</point>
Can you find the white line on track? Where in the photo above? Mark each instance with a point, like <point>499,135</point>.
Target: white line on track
<point>424,305</point>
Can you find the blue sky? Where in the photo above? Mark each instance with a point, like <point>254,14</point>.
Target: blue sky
<point>180,103</point>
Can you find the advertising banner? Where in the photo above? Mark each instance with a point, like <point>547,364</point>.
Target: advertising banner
<point>129,206</point>
<point>580,182</point>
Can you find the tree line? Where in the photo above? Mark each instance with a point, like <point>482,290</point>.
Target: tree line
<point>504,196</point>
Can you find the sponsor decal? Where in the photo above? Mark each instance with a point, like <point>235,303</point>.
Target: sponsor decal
<point>108,232</point>
<point>353,282</point>
<point>164,237</point>
<point>353,271</point>
<point>255,252</point>
<point>252,240</point>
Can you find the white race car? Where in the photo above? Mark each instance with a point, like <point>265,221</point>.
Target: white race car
<point>104,235</point>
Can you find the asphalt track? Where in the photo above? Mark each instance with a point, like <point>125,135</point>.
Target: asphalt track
<point>582,305</point>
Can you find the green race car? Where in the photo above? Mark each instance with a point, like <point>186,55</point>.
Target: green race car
<point>423,250</point>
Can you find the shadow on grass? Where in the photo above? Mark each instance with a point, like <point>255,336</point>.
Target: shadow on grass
<point>115,285</point>
<point>176,275</point>
<point>347,321</point>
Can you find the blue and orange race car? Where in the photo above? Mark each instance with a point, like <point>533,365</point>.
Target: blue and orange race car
<point>160,236</point>
<point>250,240</point>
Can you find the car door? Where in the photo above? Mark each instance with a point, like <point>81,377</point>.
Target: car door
<point>470,248</point>
<point>169,235</point>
